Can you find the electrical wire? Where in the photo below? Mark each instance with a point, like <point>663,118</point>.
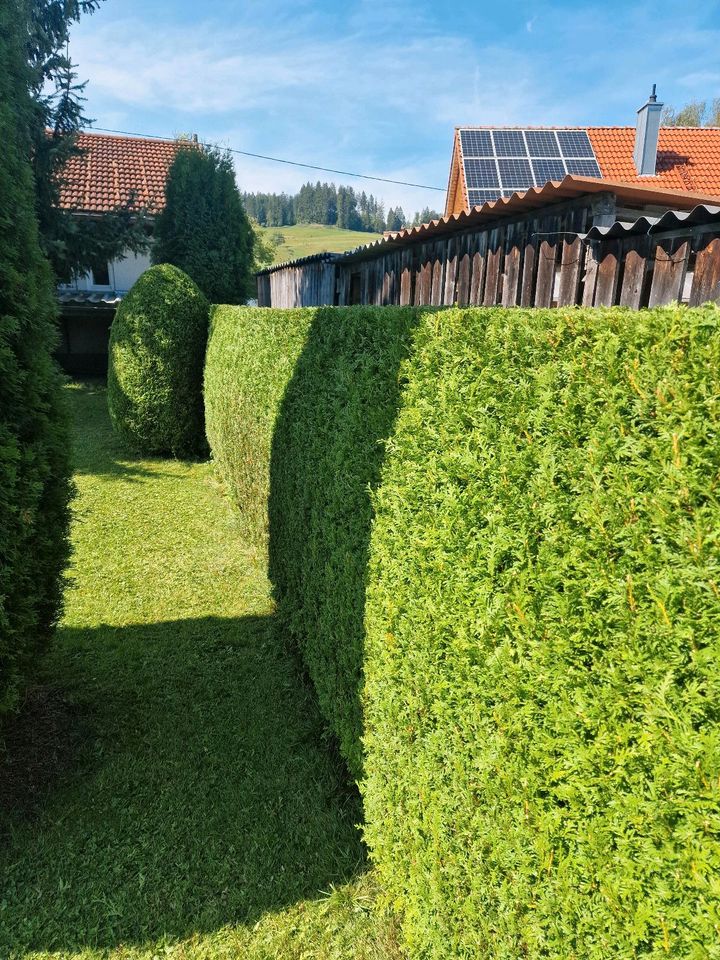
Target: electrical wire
<point>262,156</point>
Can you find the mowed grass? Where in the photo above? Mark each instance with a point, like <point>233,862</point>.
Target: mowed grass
<point>303,239</point>
<point>205,816</point>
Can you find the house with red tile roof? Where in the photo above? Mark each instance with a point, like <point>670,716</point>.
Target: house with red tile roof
<point>111,172</point>
<point>493,162</point>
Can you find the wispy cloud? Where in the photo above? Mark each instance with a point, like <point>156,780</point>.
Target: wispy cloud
<point>378,87</point>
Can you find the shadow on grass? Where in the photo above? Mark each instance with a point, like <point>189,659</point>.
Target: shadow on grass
<point>205,795</point>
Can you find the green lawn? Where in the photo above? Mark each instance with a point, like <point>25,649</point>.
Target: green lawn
<point>302,239</point>
<point>205,816</point>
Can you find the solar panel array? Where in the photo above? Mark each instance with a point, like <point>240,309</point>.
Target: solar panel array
<point>501,162</point>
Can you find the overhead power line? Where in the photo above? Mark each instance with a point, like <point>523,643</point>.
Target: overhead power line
<point>292,163</point>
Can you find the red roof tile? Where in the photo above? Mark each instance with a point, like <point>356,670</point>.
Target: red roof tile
<point>114,170</point>
<point>688,157</point>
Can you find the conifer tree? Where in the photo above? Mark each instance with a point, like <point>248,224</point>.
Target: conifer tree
<point>34,441</point>
<point>204,229</point>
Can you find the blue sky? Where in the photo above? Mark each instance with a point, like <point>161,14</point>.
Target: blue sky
<point>377,87</point>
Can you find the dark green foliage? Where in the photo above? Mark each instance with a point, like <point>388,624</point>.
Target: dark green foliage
<point>204,229</point>
<point>73,244</point>
<point>328,447</point>
<point>34,469</point>
<point>543,638</point>
<point>157,351</point>
<point>251,355</point>
<point>321,387</point>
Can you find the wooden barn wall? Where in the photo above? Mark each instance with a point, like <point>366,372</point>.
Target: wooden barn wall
<point>538,261</point>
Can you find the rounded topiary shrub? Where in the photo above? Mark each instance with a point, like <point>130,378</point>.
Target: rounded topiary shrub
<point>155,371</point>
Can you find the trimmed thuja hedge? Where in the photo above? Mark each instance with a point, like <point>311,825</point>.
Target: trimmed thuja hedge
<point>34,431</point>
<point>251,356</point>
<point>155,371</point>
<point>317,391</point>
<point>541,592</point>
<point>543,638</point>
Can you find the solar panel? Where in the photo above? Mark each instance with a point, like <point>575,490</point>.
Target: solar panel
<point>575,143</point>
<point>583,168</point>
<point>515,174</point>
<point>478,197</point>
<point>498,162</point>
<point>542,143</point>
<point>476,143</point>
<point>480,174</point>
<point>545,170</point>
<point>509,143</point>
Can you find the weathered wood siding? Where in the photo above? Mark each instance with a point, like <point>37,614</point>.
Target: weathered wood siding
<point>536,261</point>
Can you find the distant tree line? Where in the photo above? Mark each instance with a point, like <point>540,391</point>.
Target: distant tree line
<point>329,204</point>
<point>697,113</point>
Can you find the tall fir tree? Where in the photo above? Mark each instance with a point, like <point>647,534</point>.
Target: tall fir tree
<point>204,229</point>
<point>34,436</point>
<point>54,120</point>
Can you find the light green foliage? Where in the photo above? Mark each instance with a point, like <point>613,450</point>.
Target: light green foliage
<point>250,359</point>
<point>204,818</point>
<point>327,450</point>
<point>304,239</point>
<point>310,397</point>
<point>34,469</point>
<point>157,350</point>
<point>543,638</point>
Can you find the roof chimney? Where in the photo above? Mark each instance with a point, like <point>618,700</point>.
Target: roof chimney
<point>646,136</point>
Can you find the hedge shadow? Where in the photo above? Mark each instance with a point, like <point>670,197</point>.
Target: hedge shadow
<point>327,452</point>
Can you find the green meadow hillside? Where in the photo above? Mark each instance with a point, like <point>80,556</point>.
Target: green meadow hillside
<point>303,239</point>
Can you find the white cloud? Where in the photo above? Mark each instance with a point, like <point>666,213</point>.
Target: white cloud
<point>377,88</point>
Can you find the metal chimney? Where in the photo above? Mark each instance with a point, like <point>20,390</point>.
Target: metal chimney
<point>646,136</point>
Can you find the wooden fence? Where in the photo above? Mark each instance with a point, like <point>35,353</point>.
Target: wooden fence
<point>543,261</point>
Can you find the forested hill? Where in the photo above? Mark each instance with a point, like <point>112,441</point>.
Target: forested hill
<point>328,204</point>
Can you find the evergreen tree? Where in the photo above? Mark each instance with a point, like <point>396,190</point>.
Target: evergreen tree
<point>56,116</point>
<point>204,229</point>
<point>425,216</point>
<point>34,437</point>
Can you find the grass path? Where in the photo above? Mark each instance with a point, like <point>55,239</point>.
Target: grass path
<point>204,814</point>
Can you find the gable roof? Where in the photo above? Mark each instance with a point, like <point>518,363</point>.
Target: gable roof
<point>113,171</point>
<point>688,160</point>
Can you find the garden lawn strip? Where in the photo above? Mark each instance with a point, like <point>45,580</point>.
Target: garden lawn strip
<point>204,816</point>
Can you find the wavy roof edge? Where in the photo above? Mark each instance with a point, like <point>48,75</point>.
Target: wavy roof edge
<point>703,214</point>
<point>528,200</point>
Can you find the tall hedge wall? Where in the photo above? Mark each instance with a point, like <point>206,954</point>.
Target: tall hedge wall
<point>308,397</point>
<point>543,637</point>
<point>34,433</point>
<point>327,451</point>
<point>251,356</point>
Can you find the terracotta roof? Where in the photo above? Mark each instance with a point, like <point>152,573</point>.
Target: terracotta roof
<point>536,197</point>
<point>113,171</point>
<point>688,160</point>
<point>688,157</point>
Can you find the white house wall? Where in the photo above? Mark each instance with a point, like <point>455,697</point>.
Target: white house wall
<point>122,274</point>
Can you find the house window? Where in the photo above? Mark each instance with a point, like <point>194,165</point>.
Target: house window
<point>101,275</point>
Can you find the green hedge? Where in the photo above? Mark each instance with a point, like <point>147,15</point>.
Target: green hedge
<point>543,635</point>
<point>250,359</point>
<point>34,433</point>
<point>327,452</point>
<point>311,395</point>
<point>157,353</point>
